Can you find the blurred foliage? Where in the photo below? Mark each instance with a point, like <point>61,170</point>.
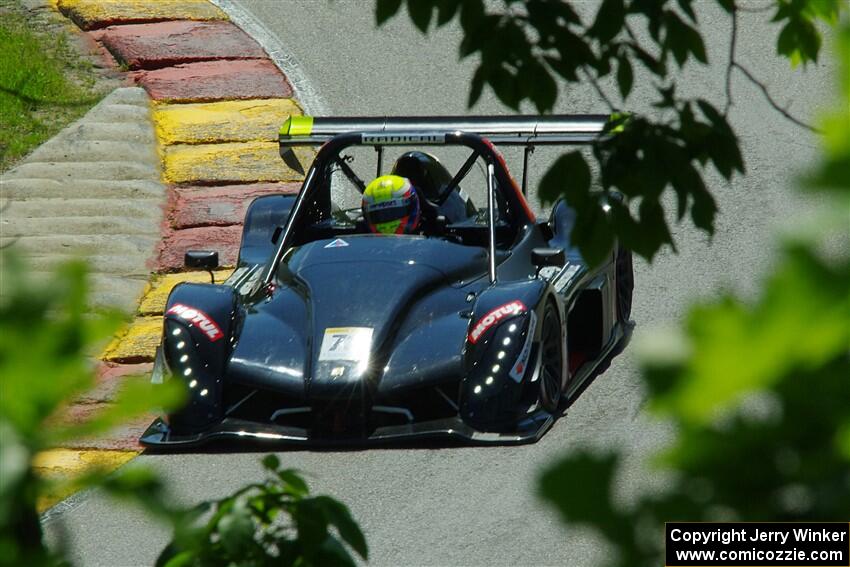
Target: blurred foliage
<point>758,394</point>
<point>761,409</point>
<point>526,47</point>
<point>47,336</point>
<point>47,332</point>
<point>833,173</point>
<point>249,528</point>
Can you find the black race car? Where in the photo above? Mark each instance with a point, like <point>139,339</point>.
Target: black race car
<point>479,327</point>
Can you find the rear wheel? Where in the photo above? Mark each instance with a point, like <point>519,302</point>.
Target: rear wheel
<point>552,360</point>
<point>625,284</point>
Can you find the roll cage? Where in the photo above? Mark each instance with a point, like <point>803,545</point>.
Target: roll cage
<point>478,133</point>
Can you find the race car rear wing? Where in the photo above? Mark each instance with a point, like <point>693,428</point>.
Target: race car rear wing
<point>528,131</point>
<point>556,129</point>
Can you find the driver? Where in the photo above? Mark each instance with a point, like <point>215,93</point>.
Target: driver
<point>391,205</point>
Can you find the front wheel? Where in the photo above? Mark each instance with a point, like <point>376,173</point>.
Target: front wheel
<point>552,360</point>
<point>625,284</point>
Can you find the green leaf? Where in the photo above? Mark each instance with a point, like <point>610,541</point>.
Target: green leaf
<point>617,122</point>
<point>827,10</point>
<point>333,554</point>
<point>625,76</point>
<point>139,485</point>
<point>568,177</point>
<point>833,172</point>
<point>842,440</point>
<point>253,526</point>
<point>46,330</point>
<point>172,556</point>
<point>237,530</point>
<point>339,516</point>
<point>386,9</point>
<point>311,523</point>
<point>799,322</point>
<point>786,43</point>
<point>809,41</point>
<point>294,482</point>
<point>799,40</point>
<point>136,397</point>
<point>271,462</point>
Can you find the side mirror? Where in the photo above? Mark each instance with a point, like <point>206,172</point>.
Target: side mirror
<point>542,257</point>
<point>440,224</point>
<point>203,259</point>
<point>546,230</point>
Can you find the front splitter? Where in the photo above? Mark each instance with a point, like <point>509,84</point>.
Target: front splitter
<point>159,435</point>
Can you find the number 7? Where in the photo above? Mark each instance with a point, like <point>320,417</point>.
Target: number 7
<point>339,339</point>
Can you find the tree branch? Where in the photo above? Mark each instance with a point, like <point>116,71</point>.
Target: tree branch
<point>732,46</point>
<point>629,31</point>
<point>733,64</point>
<point>770,100</point>
<point>599,90</point>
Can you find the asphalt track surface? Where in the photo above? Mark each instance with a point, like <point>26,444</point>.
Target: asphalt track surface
<point>477,505</point>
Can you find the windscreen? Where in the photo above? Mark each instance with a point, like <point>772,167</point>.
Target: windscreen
<point>364,163</point>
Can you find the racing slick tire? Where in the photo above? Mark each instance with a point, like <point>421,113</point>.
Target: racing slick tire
<point>625,284</point>
<point>551,360</point>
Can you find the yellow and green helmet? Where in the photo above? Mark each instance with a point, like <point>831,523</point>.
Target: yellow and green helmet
<point>391,206</point>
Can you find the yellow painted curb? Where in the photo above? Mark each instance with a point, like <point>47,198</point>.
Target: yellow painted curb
<point>138,343</point>
<point>90,13</point>
<point>229,121</point>
<point>237,162</point>
<point>156,294</point>
<point>65,464</point>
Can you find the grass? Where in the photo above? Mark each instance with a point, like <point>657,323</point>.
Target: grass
<point>44,83</point>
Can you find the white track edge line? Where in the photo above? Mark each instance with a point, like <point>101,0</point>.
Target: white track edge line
<point>311,102</point>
